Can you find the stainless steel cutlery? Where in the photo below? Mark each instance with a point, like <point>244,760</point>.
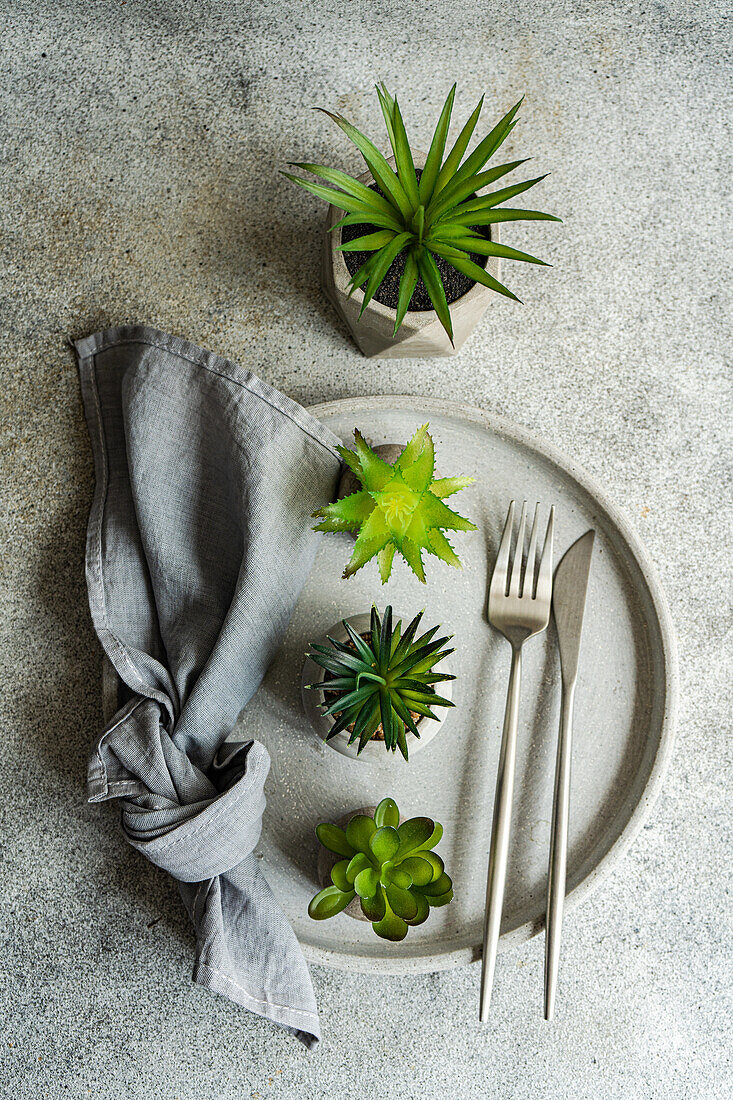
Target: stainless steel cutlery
<point>521,595</point>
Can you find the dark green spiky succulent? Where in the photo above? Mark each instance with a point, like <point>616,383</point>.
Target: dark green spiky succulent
<point>390,867</point>
<point>428,213</point>
<point>399,507</point>
<point>382,681</point>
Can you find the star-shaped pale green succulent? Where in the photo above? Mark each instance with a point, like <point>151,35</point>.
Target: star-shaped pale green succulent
<point>400,507</point>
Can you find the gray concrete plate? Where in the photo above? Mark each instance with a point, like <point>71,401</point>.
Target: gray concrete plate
<point>624,711</point>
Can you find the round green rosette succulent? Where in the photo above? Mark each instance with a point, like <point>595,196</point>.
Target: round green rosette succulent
<point>389,866</point>
<point>400,507</point>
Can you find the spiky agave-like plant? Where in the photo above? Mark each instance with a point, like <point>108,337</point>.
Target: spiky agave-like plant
<point>400,507</point>
<point>428,213</point>
<point>384,680</point>
<point>390,867</point>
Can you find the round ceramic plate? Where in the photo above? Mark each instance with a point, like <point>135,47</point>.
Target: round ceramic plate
<point>624,704</point>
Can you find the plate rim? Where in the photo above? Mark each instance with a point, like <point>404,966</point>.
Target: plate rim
<point>503,427</point>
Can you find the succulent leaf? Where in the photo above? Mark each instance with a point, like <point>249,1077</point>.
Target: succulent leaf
<point>419,869</point>
<point>382,172</point>
<point>441,886</point>
<point>409,212</point>
<point>462,263</point>
<point>434,158</point>
<point>384,843</point>
<point>329,902</point>
<point>338,876</point>
<point>493,217</point>
<point>403,158</point>
<point>423,910</point>
<point>347,183</point>
<point>458,196</point>
<point>383,262</point>
<point>385,635</point>
<point>404,713</point>
<point>341,199</point>
<point>374,908</point>
<point>489,248</point>
<point>434,862</point>
<point>365,730</point>
<point>428,269</point>
<point>334,839</point>
<point>370,242</point>
<point>436,543</point>
<point>386,102</point>
<point>434,839</point>
<point>390,927</point>
<point>359,832</point>
<point>387,813</point>
<point>348,513</point>
<point>356,865</point>
<point>366,882</point>
<point>385,557</point>
<point>482,153</point>
<point>442,899</point>
<point>402,902</point>
<point>452,161</point>
<point>414,834</point>
<point>364,551</point>
<point>417,464</point>
<point>408,282</point>
<point>447,486</point>
<point>400,877</point>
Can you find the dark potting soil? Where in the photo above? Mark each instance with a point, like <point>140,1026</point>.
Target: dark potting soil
<point>455,283</point>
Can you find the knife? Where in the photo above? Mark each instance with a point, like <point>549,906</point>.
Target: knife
<point>568,604</point>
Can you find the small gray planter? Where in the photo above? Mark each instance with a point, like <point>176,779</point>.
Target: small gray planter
<point>421,334</point>
<point>313,674</point>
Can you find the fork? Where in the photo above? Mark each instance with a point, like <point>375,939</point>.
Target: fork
<point>519,607</point>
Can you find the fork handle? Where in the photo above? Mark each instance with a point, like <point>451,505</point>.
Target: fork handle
<point>558,850</point>
<point>499,848</point>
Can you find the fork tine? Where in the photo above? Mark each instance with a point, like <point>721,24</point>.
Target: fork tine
<point>531,554</point>
<point>544,577</point>
<point>498,579</point>
<point>518,554</point>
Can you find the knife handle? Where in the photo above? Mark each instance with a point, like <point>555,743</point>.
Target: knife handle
<point>558,850</point>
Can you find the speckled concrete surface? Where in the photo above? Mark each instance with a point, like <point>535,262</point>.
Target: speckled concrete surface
<point>139,144</point>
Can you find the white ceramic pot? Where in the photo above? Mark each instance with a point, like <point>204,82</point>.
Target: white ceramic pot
<point>313,674</point>
<point>421,334</point>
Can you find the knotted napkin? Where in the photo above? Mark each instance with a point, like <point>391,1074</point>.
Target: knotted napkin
<point>199,542</point>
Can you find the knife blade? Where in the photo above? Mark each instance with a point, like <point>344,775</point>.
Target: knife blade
<point>569,592</point>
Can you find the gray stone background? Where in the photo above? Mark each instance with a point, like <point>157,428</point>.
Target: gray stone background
<point>139,149</point>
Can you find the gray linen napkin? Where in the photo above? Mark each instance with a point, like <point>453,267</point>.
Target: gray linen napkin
<point>199,542</point>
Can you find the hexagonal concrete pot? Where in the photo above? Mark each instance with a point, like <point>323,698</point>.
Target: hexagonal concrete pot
<point>421,334</point>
